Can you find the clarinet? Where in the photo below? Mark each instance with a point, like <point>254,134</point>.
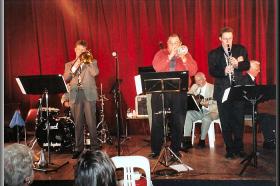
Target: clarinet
<point>231,75</point>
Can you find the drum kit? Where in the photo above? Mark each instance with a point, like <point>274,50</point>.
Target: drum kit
<point>62,128</point>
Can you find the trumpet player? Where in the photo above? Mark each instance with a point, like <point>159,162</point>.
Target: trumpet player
<point>80,74</point>
<point>226,64</point>
<point>175,58</point>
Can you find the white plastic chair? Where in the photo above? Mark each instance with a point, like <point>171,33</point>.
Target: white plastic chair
<point>128,163</point>
<point>211,131</point>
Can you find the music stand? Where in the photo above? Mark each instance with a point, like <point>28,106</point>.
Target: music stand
<point>253,94</point>
<point>44,85</point>
<point>165,82</point>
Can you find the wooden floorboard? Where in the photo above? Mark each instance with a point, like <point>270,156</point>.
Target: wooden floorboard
<point>208,163</point>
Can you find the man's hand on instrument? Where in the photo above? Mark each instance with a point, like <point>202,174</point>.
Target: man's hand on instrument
<point>66,104</point>
<point>229,69</point>
<point>172,53</point>
<point>204,103</point>
<point>233,61</point>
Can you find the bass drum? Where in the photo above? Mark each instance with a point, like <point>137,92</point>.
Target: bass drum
<point>61,134</point>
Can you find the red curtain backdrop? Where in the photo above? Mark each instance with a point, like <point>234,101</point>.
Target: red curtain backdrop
<point>39,36</point>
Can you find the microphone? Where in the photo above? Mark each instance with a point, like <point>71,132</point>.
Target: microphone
<point>114,54</point>
<point>160,45</point>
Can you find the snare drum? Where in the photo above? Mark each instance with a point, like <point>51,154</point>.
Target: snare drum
<point>53,112</point>
<point>61,134</point>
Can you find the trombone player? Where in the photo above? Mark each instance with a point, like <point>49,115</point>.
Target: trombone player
<point>79,74</point>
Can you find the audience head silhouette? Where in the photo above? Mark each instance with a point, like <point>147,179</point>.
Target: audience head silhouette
<point>95,169</point>
<point>18,160</point>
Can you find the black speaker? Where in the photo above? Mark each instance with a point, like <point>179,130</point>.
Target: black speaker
<point>141,105</point>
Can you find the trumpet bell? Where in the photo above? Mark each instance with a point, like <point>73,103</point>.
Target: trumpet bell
<point>86,57</point>
<point>182,50</point>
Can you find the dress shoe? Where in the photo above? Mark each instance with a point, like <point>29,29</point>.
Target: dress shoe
<point>76,154</point>
<point>240,154</point>
<point>153,155</point>
<point>229,155</point>
<point>186,144</point>
<point>269,145</point>
<point>201,144</point>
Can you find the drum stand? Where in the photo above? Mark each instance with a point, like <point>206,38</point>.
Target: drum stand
<point>164,156</point>
<point>102,129</point>
<point>39,113</point>
<point>49,167</point>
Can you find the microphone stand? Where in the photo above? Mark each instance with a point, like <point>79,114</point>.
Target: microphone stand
<point>116,92</point>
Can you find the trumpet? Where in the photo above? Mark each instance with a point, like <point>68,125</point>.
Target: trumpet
<point>182,50</point>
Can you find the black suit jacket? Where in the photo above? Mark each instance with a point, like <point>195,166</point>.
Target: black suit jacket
<point>217,64</point>
<point>247,80</point>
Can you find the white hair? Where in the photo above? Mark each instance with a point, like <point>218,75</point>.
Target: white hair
<point>200,74</point>
<point>18,160</point>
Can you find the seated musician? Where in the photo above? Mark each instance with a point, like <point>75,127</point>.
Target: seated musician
<point>209,111</point>
<point>266,117</point>
<point>250,77</point>
<point>65,103</point>
<point>65,100</point>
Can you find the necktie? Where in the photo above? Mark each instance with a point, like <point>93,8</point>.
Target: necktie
<point>79,76</point>
<point>172,64</point>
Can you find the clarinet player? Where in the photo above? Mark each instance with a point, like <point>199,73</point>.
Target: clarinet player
<point>226,64</point>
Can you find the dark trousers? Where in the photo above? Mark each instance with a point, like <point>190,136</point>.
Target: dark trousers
<point>267,124</point>
<point>177,103</point>
<point>232,122</point>
<point>84,112</point>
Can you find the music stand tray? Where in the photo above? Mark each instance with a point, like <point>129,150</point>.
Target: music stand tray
<point>253,94</point>
<point>165,82</point>
<point>153,82</point>
<point>44,85</point>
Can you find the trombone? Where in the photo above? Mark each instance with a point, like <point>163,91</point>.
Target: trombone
<point>85,58</point>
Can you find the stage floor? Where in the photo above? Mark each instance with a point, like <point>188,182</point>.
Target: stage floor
<point>209,164</point>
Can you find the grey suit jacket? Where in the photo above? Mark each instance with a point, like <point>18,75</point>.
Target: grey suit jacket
<point>208,94</point>
<point>88,73</point>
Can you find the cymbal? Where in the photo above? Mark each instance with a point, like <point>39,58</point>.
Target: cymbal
<point>102,96</point>
<point>51,109</point>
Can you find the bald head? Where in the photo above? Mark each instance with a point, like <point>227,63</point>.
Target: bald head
<point>254,68</point>
<point>200,79</point>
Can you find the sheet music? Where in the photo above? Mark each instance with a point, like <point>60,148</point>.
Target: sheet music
<point>181,167</point>
<point>65,83</point>
<point>138,84</point>
<point>225,96</point>
<point>20,86</point>
<point>191,96</point>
